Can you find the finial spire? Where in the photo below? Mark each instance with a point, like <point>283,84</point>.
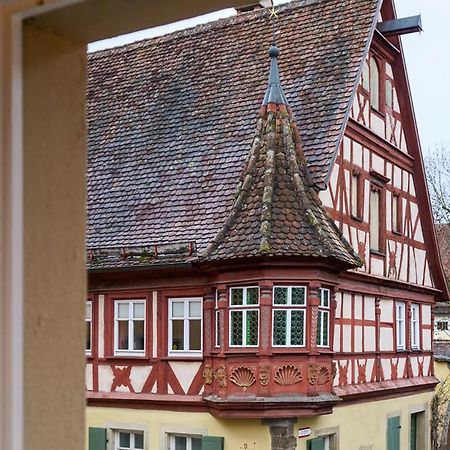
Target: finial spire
<point>274,92</point>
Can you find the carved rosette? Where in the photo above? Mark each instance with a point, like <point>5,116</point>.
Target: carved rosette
<point>243,377</point>
<point>264,375</point>
<point>288,375</point>
<point>208,374</point>
<point>220,375</point>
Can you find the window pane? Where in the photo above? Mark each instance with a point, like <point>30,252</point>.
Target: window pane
<point>122,310</point>
<point>374,220</point>
<point>180,443</point>
<point>195,341</point>
<point>365,76</point>
<point>217,328</point>
<point>88,335</point>
<point>389,96</point>
<point>374,84</point>
<point>196,444</point>
<point>394,213</point>
<point>297,328</point>
<point>252,296</point>
<point>139,335</point>
<point>236,327</point>
<point>88,311</point>
<point>122,343</point>
<point>279,327</point>
<point>237,296</point>
<point>354,192</point>
<point>195,309</point>
<point>139,310</point>
<point>319,328</point>
<point>324,298</point>
<point>252,328</point>
<point>177,334</point>
<point>325,328</point>
<point>177,309</point>
<point>298,296</point>
<point>280,296</point>
<point>124,439</point>
<point>138,440</point>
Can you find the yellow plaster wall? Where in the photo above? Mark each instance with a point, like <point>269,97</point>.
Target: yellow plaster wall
<point>441,370</point>
<point>358,426</point>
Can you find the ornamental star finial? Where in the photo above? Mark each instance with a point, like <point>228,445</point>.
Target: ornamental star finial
<point>273,13</point>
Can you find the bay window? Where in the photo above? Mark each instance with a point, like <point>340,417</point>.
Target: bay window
<point>323,318</point>
<point>185,326</point>
<point>129,326</point>
<point>244,317</point>
<point>289,316</point>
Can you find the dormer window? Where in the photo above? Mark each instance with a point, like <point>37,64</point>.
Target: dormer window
<point>374,84</point>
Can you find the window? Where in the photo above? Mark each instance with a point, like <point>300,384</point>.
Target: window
<point>417,432</point>
<point>185,326</point>
<point>322,443</point>
<point>374,84</point>
<point>180,442</point>
<point>128,440</point>
<point>244,317</point>
<point>389,94</point>
<point>289,316</point>
<point>356,195</point>
<point>396,214</point>
<point>366,77</point>
<point>323,319</point>
<point>129,326</point>
<point>375,219</point>
<point>415,327</point>
<point>400,326</point>
<point>441,325</point>
<point>88,318</point>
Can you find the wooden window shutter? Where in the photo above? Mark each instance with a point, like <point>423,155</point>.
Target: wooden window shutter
<point>212,443</point>
<point>97,438</point>
<point>393,435</point>
<point>316,444</point>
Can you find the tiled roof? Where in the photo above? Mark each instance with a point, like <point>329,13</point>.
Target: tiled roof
<point>171,119</point>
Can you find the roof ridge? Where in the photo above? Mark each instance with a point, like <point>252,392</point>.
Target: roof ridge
<point>218,24</point>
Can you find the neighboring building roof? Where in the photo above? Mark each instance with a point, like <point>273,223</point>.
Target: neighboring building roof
<point>443,239</point>
<point>171,119</point>
<point>442,351</point>
<point>277,212</point>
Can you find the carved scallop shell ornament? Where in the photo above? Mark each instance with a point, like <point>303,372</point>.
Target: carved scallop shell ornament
<point>287,375</point>
<point>243,377</point>
<point>323,375</point>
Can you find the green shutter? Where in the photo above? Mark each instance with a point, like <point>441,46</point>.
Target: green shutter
<point>393,434</point>
<point>212,443</point>
<point>316,444</point>
<point>97,439</point>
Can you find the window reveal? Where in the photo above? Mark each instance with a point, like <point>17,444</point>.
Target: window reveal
<point>289,316</point>
<point>323,318</point>
<point>129,326</point>
<point>185,325</point>
<point>244,317</point>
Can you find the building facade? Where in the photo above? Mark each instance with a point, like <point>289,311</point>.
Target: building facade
<point>265,289</point>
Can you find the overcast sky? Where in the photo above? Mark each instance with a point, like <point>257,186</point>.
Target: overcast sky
<point>427,60</point>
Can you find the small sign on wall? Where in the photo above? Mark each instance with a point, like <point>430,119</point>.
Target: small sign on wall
<point>304,432</point>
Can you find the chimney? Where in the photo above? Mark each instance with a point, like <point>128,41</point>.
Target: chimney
<point>253,6</point>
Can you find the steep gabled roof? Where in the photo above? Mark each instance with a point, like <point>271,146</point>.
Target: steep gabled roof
<point>277,212</point>
<point>171,119</point>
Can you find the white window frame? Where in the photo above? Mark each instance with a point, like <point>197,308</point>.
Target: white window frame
<point>415,326</point>
<point>88,351</point>
<point>172,436</point>
<point>400,325</point>
<point>132,433</point>
<point>244,308</point>
<point>130,351</point>
<point>324,311</point>
<point>289,307</point>
<point>186,319</point>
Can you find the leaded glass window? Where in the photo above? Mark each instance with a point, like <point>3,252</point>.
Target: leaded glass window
<point>323,318</point>
<point>289,316</point>
<point>244,317</point>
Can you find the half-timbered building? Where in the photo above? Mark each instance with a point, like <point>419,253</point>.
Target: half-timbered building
<point>261,254</point>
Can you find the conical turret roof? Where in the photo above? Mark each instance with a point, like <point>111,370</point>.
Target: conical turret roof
<point>276,211</point>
